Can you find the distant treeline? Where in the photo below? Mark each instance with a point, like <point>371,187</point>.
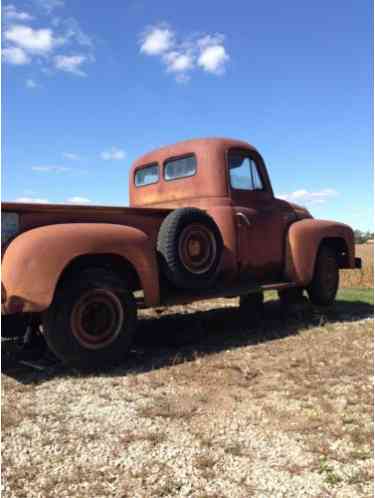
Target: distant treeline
<point>362,237</point>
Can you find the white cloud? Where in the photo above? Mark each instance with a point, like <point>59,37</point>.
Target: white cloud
<point>78,200</point>
<point>71,156</point>
<point>50,169</point>
<point>40,200</point>
<point>24,44</point>
<point>114,154</point>
<point>157,40</point>
<point>32,199</point>
<point>305,197</point>
<point>74,32</point>
<point>213,55</point>
<point>181,57</point>
<point>70,63</point>
<point>11,13</point>
<point>16,56</point>
<point>178,62</point>
<point>35,41</point>
<point>213,59</point>
<point>30,83</point>
<point>210,40</point>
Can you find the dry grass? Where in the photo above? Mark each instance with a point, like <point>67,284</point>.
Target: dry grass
<point>365,276</point>
<point>153,438</point>
<point>166,408</point>
<point>282,410</point>
<point>330,400</point>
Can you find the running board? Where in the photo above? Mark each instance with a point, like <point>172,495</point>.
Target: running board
<point>185,297</point>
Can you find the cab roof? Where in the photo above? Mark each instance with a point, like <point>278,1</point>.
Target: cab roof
<point>197,145</point>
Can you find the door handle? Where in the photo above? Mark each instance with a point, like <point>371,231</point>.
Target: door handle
<point>243,218</point>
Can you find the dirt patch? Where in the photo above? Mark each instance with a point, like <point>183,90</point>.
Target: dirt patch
<point>205,406</point>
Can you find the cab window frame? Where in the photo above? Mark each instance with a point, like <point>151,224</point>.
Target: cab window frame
<point>176,158</point>
<point>246,153</point>
<point>145,166</point>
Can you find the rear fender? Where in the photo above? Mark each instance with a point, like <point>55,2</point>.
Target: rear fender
<point>35,260</point>
<point>303,241</point>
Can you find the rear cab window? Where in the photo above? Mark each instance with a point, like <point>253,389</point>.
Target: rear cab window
<point>147,175</point>
<point>180,167</point>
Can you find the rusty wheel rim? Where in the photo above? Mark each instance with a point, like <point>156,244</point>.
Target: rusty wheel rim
<point>97,318</point>
<point>197,248</point>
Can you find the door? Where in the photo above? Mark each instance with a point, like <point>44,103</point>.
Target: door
<point>261,219</point>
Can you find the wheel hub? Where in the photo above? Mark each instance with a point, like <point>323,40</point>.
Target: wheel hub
<point>197,248</point>
<point>97,318</point>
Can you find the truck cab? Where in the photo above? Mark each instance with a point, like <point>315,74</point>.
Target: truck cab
<point>229,180</point>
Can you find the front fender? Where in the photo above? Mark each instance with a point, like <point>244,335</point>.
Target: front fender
<point>303,241</point>
<point>34,260</point>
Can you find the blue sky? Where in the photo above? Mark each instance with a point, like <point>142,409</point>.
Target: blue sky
<point>89,86</point>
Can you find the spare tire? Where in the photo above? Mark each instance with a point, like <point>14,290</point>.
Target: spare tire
<point>190,246</point>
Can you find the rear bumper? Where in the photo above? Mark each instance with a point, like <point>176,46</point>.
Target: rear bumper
<point>358,263</point>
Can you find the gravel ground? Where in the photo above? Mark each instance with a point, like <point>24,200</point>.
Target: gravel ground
<point>205,406</point>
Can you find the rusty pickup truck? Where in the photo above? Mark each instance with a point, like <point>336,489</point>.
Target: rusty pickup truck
<point>203,222</point>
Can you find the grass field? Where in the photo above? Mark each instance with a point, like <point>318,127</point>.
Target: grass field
<point>208,405</point>
<point>365,276</point>
<point>356,295</point>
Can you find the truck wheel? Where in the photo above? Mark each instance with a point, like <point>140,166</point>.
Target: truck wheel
<point>252,306</point>
<point>323,287</point>
<point>190,246</point>
<point>14,325</point>
<point>291,297</point>
<point>92,320</point>
<point>293,304</point>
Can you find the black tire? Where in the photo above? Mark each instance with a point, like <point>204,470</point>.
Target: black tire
<point>190,246</point>
<point>290,297</point>
<point>293,304</point>
<point>252,306</point>
<point>325,283</point>
<point>14,325</point>
<point>91,321</point>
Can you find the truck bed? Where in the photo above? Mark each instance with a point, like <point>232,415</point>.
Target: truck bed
<point>32,215</point>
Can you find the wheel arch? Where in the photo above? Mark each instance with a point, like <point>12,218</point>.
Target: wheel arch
<point>303,241</point>
<point>35,260</point>
<point>119,264</point>
<point>340,247</point>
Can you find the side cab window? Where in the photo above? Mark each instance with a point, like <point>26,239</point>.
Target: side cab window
<point>243,172</point>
